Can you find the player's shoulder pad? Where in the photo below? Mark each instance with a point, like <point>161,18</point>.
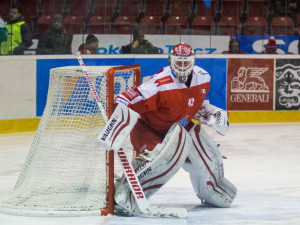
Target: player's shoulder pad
<point>200,71</point>
<point>162,77</point>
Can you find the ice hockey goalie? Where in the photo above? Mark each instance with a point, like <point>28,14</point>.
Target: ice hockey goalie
<point>158,115</point>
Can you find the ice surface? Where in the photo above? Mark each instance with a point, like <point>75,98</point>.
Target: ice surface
<point>263,162</point>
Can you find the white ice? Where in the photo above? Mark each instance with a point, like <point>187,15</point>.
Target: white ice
<point>263,162</point>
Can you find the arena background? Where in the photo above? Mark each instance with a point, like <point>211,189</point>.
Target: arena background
<point>24,85</point>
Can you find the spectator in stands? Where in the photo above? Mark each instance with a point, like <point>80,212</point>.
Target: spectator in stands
<point>234,47</point>
<point>19,37</point>
<point>271,47</point>
<point>56,40</point>
<point>286,8</point>
<point>90,46</point>
<point>139,45</point>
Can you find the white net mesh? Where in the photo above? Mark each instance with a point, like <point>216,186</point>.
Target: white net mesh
<point>65,170</point>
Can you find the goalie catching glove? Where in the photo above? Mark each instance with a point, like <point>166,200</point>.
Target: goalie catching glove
<point>213,117</point>
<point>118,127</point>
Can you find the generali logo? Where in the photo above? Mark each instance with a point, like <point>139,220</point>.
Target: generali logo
<point>249,85</point>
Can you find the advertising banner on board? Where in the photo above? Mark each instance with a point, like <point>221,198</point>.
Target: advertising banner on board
<point>149,66</point>
<point>254,44</point>
<point>287,84</point>
<point>250,84</point>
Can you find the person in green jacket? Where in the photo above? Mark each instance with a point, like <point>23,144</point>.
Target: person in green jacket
<point>19,36</point>
<point>56,40</point>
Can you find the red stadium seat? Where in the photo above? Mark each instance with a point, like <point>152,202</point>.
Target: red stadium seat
<point>202,9</point>
<point>257,7</point>
<point>4,8</point>
<point>130,7</point>
<point>255,25</point>
<point>78,7</point>
<point>151,24</point>
<point>176,25</point>
<point>73,24</point>
<point>29,11</point>
<point>155,7</point>
<point>282,25</point>
<point>298,20</point>
<point>99,25</point>
<point>180,7</point>
<point>231,7</point>
<point>52,7</point>
<point>105,8</point>
<point>124,25</point>
<point>203,25</point>
<point>42,23</point>
<point>229,25</point>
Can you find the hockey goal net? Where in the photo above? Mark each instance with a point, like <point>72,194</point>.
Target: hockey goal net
<point>67,171</point>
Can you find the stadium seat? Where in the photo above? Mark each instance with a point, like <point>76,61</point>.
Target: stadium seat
<point>73,24</point>
<point>204,8</point>
<point>297,20</point>
<point>257,7</point>
<point>176,25</point>
<point>282,25</point>
<point>255,25</point>
<point>180,7</point>
<point>232,7</point>
<point>52,7</point>
<point>4,8</point>
<point>42,23</point>
<point>124,25</point>
<point>99,25</point>
<point>155,7</point>
<point>151,24</point>
<point>229,25</point>
<point>203,25</point>
<point>105,8</point>
<point>29,11</point>
<point>77,7</point>
<point>130,7</point>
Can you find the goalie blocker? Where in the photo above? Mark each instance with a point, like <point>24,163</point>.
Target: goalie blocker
<point>118,127</point>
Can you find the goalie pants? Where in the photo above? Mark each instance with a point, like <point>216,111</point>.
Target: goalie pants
<point>144,137</point>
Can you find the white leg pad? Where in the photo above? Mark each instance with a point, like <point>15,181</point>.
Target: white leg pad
<point>155,168</point>
<point>205,166</point>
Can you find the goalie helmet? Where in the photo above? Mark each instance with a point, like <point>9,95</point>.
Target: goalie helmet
<point>182,60</point>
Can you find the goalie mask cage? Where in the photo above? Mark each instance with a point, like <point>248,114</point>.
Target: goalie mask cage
<point>67,171</point>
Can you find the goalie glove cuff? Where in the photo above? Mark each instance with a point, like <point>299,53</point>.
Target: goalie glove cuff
<point>219,121</point>
<point>214,117</point>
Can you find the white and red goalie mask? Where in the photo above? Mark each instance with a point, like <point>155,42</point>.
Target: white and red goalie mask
<point>182,60</point>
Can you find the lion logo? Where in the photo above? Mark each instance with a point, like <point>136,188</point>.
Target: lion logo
<point>249,80</point>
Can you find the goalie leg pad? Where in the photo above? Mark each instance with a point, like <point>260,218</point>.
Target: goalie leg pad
<point>118,127</point>
<point>205,166</point>
<point>154,168</point>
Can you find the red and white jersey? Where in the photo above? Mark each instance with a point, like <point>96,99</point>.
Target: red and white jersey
<point>163,100</point>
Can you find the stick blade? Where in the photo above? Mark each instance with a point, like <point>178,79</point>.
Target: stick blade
<point>168,212</point>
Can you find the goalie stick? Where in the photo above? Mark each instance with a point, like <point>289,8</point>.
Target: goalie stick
<point>128,170</point>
